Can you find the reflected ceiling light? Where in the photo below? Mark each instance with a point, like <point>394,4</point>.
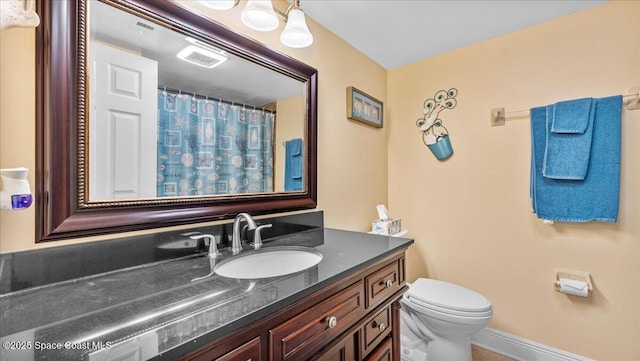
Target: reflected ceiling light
<point>219,4</point>
<point>259,15</point>
<point>296,34</point>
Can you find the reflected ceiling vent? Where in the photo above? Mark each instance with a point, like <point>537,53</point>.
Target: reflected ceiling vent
<point>206,58</point>
<point>202,44</point>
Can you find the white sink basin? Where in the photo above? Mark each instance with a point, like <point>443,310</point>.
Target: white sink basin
<point>269,262</point>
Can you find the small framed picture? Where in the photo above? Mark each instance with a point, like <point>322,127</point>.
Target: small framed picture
<point>364,108</point>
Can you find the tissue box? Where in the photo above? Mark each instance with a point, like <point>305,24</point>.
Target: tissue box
<point>387,228</point>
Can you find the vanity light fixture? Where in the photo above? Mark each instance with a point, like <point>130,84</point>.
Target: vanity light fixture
<point>296,34</point>
<point>260,15</point>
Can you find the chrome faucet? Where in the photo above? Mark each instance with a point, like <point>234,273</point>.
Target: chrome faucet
<point>236,240</point>
<point>212,254</point>
<point>213,249</point>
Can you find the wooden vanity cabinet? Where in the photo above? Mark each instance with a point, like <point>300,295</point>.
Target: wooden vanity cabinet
<point>353,319</point>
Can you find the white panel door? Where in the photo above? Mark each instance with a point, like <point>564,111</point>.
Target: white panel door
<point>123,124</point>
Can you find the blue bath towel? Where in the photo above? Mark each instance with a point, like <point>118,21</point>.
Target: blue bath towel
<point>293,165</point>
<point>568,146</point>
<point>595,198</point>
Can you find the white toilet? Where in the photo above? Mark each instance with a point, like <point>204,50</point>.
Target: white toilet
<point>438,320</point>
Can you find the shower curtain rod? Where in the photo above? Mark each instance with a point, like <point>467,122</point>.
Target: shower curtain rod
<point>498,115</point>
<point>217,99</point>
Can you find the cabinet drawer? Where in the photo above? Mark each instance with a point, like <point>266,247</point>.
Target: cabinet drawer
<point>307,332</point>
<point>382,284</point>
<point>250,351</point>
<point>384,352</point>
<point>376,329</point>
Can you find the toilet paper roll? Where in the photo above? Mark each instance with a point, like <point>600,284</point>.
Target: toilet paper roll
<point>574,287</point>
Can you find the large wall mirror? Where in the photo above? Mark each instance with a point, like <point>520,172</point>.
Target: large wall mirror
<point>153,115</point>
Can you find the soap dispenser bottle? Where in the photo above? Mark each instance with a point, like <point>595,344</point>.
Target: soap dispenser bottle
<point>15,193</point>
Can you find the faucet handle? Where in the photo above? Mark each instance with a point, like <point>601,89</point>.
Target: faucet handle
<point>257,238</point>
<point>213,249</point>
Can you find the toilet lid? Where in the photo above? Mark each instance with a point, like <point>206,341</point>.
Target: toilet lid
<point>448,296</point>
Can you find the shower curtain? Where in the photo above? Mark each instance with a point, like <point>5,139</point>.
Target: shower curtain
<point>212,147</point>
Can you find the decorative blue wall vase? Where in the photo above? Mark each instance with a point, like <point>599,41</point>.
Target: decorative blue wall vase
<point>441,149</point>
<point>434,135</point>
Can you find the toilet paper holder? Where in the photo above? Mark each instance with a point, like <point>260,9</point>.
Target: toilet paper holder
<point>576,276</point>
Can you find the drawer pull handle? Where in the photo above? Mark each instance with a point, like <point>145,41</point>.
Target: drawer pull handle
<point>388,283</point>
<point>380,326</point>
<point>332,321</point>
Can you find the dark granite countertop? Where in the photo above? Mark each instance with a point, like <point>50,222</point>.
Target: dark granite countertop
<point>158,302</point>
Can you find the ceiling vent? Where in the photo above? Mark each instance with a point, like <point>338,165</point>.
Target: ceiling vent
<point>201,56</point>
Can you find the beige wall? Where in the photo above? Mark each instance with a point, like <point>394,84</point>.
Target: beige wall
<point>17,127</point>
<point>288,126</point>
<point>471,215</point>
<point>352,157</point>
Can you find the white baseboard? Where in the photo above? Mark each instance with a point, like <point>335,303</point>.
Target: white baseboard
<point>521,349</point>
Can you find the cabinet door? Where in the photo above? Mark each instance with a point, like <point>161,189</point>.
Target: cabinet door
<point>344,350</point>
<point>383,352</point>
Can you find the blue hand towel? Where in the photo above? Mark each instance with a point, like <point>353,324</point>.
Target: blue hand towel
<point>572,116</point>
<point>293,165</point>
<point>595,198</point>
<point>568,146</point>
<point>296,146</point>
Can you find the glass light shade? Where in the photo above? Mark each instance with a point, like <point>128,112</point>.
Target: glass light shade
<point>259,15</point>
<point>296,34</point>
<point>218,4</point>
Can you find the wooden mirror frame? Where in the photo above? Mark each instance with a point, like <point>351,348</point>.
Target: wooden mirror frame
<point>62,209</point>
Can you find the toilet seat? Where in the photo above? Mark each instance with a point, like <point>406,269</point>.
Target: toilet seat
<point>447,298</point>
